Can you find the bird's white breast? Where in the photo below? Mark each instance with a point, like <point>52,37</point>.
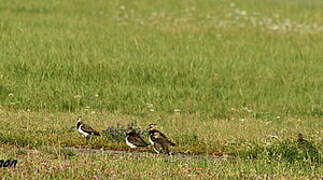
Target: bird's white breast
<point>82,132</point>
<point>129,143</point>
<point>151,142</point>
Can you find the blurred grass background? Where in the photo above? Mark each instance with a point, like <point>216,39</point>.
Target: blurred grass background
<point>196,57</point>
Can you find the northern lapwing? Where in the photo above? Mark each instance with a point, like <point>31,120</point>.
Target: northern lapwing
<point>133,139</point>
<point>300,139</point>
<point>84,129</point>
<point>158,140</point>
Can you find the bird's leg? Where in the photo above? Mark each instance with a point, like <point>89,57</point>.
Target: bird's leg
<point>87,138</point>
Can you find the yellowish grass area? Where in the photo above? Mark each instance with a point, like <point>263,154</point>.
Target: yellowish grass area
<point>53,163</point>
<point>213,135</point>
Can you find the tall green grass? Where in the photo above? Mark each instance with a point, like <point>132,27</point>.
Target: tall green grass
<point>121,56</point>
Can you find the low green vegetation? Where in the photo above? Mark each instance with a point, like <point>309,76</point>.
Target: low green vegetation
<point>41,164</point>
<point>256,148</point>
<point>237,78</point>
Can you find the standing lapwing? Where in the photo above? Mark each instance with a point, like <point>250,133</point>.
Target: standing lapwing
<point>133,140</point>
<point>158,140</point>
<point>84,129</point>
<point>301,139</point>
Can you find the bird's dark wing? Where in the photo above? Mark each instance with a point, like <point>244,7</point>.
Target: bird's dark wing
<point>137,141</point>
<point>160,137</point>
<point>89,130</point>
<point>160,134</point>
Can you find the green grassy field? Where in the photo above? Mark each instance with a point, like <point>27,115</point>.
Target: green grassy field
<point>216,76</point>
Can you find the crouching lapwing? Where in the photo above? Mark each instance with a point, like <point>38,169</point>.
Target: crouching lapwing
<point>301,139</point>
<point>84,129</point>
<point>133,140</point>
<point>158,140</point>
